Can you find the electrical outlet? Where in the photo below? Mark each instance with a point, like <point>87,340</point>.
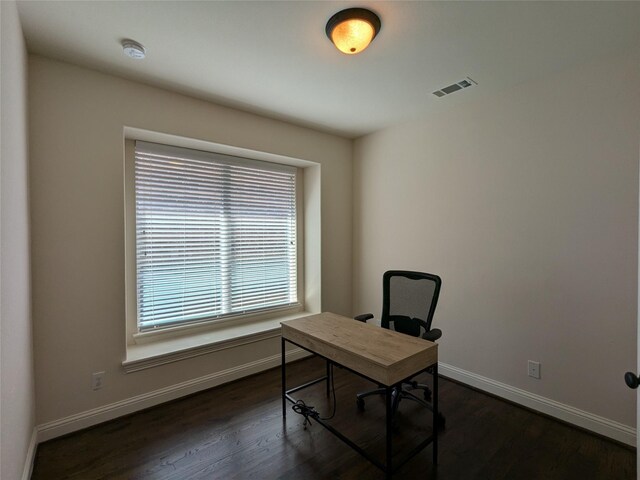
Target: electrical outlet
<point>534,369</point>
<point>97,380</point>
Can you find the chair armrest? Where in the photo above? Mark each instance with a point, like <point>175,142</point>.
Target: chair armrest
<point>433,334</point>
<point>364,317</point>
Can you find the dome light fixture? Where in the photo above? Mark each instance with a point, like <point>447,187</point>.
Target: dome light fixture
<point>353,29</point>
<point>133,49</point>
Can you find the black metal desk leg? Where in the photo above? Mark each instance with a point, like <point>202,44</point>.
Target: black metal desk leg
<point>284,378</point>
<point>435,414</point>
<point>389,398</point>
<point>329,373</point>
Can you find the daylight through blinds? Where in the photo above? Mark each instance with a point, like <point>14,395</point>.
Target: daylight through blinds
<point>215,235</point>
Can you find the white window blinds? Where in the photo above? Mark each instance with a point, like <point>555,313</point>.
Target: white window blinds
<point>215,235</point>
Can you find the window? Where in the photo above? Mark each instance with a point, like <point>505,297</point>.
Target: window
<point>215,236</point>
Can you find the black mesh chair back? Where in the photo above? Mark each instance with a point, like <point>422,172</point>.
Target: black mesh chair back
<point>409,300</point>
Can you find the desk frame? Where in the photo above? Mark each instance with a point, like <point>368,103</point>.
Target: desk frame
<point>389,467</point>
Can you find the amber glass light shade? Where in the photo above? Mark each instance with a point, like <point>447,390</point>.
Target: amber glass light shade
<point>352,30</point>
<point>352,36</point>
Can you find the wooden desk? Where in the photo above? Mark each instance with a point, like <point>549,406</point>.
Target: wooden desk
<point>380,355</point>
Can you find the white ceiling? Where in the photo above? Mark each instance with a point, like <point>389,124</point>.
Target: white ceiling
<point>273,57</point>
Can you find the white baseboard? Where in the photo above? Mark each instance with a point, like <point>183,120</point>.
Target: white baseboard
<point>94,416</point>
<point>31,455</point>
<point>580,418</point>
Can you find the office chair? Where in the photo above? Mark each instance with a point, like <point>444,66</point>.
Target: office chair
<point>409,301</point>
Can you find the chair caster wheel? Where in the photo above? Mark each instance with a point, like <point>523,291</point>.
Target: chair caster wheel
<point>360,404</point>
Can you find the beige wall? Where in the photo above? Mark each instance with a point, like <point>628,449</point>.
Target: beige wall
<point>77,120</point>
<point>17,399</point>
<point>526,204</point>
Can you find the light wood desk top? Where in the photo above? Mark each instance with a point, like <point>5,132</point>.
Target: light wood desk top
<point>383,355</point>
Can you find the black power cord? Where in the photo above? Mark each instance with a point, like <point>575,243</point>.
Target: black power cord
<point>309,412</point>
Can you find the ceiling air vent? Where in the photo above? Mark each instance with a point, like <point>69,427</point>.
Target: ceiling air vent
<point>467,82</point>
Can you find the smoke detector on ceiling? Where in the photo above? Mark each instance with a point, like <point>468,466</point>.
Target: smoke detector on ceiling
<point>133,49</point>
<point>454,87</point>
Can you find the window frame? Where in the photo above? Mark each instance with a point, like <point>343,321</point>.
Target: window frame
<point>134,334</point>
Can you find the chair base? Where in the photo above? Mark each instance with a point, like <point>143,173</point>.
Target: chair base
<point>399,394</point>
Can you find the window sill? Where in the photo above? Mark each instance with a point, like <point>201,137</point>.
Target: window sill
<point>148,355</point>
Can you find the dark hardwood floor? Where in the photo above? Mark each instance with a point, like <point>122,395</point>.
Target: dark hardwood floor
<point>236,432</point>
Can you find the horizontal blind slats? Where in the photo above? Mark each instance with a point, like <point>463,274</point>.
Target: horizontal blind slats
<point>213,237</point>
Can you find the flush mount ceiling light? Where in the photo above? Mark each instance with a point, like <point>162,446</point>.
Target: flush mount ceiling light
<point>133,49</point>
<point>353,29</point>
